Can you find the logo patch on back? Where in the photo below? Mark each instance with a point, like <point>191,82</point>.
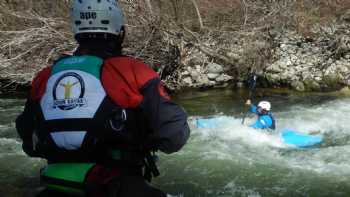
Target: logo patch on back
<point>68,92</point>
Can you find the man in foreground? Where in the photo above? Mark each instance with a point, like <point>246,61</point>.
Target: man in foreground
<point>98,115</point>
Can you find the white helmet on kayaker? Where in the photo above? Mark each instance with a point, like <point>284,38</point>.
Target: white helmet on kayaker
<point>97,16</point>
<point>265,105</point>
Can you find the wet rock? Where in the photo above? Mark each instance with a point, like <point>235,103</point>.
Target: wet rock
<point>311,85</point>
<point>332,82</point>
<point>298,86</point>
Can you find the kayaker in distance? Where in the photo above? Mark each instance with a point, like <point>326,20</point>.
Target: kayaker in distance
<point>263,111</point>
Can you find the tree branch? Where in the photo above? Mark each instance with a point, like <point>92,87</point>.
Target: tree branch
<point>198,14</point>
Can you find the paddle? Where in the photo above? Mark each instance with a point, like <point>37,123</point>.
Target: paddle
<point>252,84</point>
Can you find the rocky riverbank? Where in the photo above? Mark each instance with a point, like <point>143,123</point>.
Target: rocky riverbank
<point>303,63</point>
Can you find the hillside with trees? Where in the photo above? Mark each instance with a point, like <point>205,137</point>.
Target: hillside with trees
<point>302,44</point>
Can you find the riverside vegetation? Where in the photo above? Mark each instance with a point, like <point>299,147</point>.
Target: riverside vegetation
<point>300,44</point>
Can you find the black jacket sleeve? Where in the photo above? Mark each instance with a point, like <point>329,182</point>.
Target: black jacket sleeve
<point>167,121</point>
<point>25,124</point>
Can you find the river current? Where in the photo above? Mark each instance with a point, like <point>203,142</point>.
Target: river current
<point>233,160</point>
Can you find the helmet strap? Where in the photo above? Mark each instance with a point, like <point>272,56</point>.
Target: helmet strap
<point>100,44</point>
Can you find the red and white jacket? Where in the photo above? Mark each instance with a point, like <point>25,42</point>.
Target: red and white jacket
<point>65,98</point>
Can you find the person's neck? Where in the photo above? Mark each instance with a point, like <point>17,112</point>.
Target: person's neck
<point>99,51</point>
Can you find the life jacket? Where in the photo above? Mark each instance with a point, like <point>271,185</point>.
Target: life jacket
<point>80,128</point>
<point>77,120</point>
<point>269,114</point>
<point>273,126</point>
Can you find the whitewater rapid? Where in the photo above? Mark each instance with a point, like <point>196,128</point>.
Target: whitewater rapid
<point>233,160</point>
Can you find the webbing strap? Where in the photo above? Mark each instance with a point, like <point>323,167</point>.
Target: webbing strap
<point>61,182</point>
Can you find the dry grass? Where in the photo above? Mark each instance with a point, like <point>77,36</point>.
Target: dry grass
<point>163,32</point>
<point>32,35</point>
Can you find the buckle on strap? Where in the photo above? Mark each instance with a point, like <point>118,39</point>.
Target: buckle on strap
<point>151,169</point>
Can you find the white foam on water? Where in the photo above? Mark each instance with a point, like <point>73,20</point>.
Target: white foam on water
<point>231,129</point>
<point>330,117</point>
<point>237,190</point>
<point>235,141</point>
<point>2,127</point>
<point>9,141</point>
<point>334,161</point>
<point>10,146</point>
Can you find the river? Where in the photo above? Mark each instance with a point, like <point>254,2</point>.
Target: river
<point>233,160</point>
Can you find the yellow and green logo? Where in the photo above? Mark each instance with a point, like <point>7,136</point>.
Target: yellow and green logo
<point>68,91</point>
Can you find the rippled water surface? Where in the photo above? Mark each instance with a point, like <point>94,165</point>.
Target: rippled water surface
<point>233,160</point>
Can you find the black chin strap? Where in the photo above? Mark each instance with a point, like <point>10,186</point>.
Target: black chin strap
<point>102,45</point>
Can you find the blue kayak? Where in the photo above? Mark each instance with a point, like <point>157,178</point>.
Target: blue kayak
<point>212,123</point>
<point>288,136</point>
<point>299,139</point>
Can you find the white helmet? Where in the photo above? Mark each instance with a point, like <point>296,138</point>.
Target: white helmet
<point>265,105</point>
<point>97,16</point>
